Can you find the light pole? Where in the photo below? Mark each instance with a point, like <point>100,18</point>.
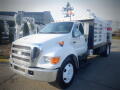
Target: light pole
<point>68,10</point>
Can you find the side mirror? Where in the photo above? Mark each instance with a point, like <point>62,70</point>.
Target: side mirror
<point>76,33</point>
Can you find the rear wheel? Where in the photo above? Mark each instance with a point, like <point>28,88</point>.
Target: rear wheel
<point>106,51</point>
<point>65,74</point>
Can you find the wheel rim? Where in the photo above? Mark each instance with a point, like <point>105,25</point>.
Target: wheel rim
<point>68,73</point>
<point>108,50</point>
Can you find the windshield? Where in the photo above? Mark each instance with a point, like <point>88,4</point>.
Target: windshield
<point>60,27</point>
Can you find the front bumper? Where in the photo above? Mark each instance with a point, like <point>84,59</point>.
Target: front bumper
<point>35,73</point>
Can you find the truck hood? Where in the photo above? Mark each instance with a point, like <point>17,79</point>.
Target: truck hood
<point>37,38</point>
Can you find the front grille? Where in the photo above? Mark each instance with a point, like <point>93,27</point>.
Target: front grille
<point>20,58</point>
<point>21,53</point>
<point>21,47</point>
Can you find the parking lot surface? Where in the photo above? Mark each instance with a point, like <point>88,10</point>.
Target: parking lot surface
<point>99,73</point>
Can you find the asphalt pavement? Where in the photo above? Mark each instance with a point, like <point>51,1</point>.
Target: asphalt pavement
<point>99,73</point>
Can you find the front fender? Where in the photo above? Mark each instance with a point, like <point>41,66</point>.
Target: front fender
<point>62,52</point>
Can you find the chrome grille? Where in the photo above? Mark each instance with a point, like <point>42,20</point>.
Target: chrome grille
<point>21,47</point>
<point>21,53</point>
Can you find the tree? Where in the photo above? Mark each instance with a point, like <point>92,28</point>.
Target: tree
<point>68,10</point>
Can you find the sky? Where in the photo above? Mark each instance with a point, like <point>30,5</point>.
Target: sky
<point>106,9</point>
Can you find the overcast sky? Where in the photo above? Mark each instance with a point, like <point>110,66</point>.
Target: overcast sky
<point>106,9</point>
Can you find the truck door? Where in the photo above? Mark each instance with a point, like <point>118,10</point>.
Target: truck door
<point>78,41</point>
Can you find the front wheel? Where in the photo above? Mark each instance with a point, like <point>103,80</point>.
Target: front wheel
<point>66,74</point>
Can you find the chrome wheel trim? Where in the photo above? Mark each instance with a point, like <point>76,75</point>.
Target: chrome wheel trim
<point>68,72</point>
<point>108,50</point>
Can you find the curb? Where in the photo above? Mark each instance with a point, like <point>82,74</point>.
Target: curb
<point>4,60</point>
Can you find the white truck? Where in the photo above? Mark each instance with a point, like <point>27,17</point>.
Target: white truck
<point>54,54</point>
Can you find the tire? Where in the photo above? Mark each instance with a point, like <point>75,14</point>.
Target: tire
<point>85,59</point>
<point>65,74</point>
<point>107,51</point>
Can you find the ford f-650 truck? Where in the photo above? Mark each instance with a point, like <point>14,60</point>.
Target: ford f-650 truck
<point>55,53</point>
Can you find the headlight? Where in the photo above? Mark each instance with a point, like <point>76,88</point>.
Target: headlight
<point>47,59</point>
<point>52,60</point>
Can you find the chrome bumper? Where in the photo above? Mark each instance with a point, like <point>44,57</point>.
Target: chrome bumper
<point>35,73</point>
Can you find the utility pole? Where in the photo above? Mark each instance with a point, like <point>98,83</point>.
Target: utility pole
<point>68,10</point>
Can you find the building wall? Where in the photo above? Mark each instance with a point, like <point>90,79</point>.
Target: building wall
<point>40,18</point>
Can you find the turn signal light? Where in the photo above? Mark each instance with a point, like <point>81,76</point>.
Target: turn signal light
<point>55,60</point>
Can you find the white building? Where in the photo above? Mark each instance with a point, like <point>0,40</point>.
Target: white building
<point>7,22</point>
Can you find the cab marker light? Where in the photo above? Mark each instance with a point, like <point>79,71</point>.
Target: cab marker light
<point>61,43</point>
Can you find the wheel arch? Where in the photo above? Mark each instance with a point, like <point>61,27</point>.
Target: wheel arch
<point>75,60</point>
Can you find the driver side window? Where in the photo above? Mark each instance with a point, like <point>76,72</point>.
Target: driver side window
<point>76,32</point>
<point>81,29</point>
